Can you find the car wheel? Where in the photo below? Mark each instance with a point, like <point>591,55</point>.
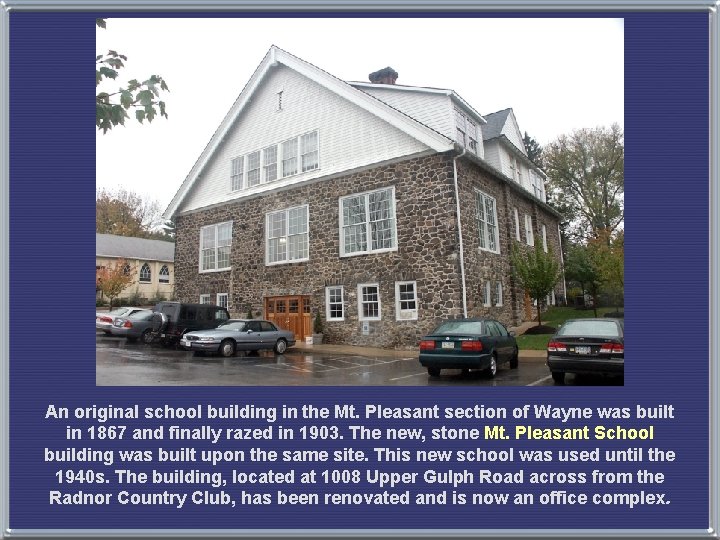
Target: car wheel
<point>514,360</point>
<point>227,348</point>
<point>147,336</point>
<point>558,377</point>
<point>492,370</point>
<point>281,346</point>
<point>434,371</point>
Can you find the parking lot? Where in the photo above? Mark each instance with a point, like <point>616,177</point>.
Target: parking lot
<point>122,363</point>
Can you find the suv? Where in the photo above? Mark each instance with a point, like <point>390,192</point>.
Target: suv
<point>172,319</point>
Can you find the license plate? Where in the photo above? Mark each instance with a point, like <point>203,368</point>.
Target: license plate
<point>582,350</point>
<point>448,344</point>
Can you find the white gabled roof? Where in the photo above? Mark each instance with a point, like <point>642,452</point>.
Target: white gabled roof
<point>274,56</point>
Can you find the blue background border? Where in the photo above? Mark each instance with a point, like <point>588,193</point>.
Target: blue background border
<point>52,185</point>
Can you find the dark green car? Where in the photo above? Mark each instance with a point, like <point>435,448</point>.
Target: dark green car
<point>479,343</point>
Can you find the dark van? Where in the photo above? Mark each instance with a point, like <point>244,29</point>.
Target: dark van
<point>172,319</point>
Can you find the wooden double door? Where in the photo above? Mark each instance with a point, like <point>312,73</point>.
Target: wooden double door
<point>291,313</point>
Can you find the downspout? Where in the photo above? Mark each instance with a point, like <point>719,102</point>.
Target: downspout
<point>460,235</point>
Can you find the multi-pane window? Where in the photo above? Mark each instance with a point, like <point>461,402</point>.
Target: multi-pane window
<point>289,157</point>
<point>544,238</point>
<point>164,276</point>
<point>369,302</point>
<point>529,236</point>
<point>334,310</point>
<point>486,214</point>
<point>253,174</point>
<point>498,294</point>
<point>467,132</point>
<point>368,222</point>
<point>215,241</point>
<point>287,235</point>
<point>517,224</point>
<point>145,274</point>
<point>222,300</point>
<point>518,168</point>
<point>309,151</point>
<point>205,299</point>
<point>236,176</point>
<point>269,164</point>
<point>406,300</point>
<point>487,292</point>
<point>299,154</point>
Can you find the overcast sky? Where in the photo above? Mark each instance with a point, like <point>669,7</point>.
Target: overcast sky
<point>558,75</point>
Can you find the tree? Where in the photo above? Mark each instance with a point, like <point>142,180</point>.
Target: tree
<point>581,267</point>
<point>586,180</point>
<point>113,279</point>
<point>534,150</point>
<point>126,213</point>
<point>111,108</point>
<point>536,271</point>
<point>609,253</point>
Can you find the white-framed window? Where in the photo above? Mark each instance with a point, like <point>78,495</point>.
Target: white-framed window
<point>205,299</point>
<point>215,243</point>
<point>369,302</point>
<point>537,186</point>
<point>236,175</point>
<point>164,276</point>
<point>286,235</point>
<point>253,173</point>
<point>486,214</point>
<point>467,132</point>
<point>513,170</point>
<point>368,222</point>
<point>269,164</point>
<point>544,238</point>
<point>406,305</point>
<point>309,151</point>
<point>517,224</point>
<point>529,236</point>
<point>289,157</point>
<point>145,273</point>
<point>487,294</point>
<point>222,300</point>
<point>334,307</point>
<point>518,168</point>
<point>499,294</point>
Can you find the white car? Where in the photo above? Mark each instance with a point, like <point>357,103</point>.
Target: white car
<point>104,319</point>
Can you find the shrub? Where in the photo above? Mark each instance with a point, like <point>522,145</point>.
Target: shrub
<point>317,324</point>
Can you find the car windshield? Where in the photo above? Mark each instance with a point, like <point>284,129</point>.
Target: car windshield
<point>141,315</point>
<point>460,327</point>
<point>590,329</point>
<point>234,325</point>
<point>118,311</point>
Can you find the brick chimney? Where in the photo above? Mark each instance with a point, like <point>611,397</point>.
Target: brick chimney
<point>384,76</point>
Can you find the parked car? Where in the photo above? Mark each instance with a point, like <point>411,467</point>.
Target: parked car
<point>587,346</point>
<point>479,343</point>
<point>136,326</point>
<point>239,335</point>
<point>173,319</point>
<point>104,320</point>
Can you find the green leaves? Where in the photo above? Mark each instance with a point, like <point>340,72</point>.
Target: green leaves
<point>535,270</point>
<point>111,108</point>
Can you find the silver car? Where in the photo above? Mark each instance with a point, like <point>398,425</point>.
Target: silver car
<point>135,326</point>
<point>105,319</point>
<point>239,335</point>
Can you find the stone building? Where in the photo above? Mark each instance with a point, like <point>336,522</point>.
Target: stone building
<point>385,208</point>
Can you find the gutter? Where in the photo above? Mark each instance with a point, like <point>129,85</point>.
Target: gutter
<point>460,235</point>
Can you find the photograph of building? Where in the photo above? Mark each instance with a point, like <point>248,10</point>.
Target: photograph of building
<point>384,208</point>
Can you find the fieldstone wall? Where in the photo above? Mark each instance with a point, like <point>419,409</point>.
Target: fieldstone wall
<point>427,251</point>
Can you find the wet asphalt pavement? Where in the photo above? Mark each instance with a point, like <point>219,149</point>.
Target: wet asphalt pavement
<point>121,363</point>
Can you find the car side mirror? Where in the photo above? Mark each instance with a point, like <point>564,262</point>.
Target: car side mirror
<point>512,333</point>
<point>249,331</point>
